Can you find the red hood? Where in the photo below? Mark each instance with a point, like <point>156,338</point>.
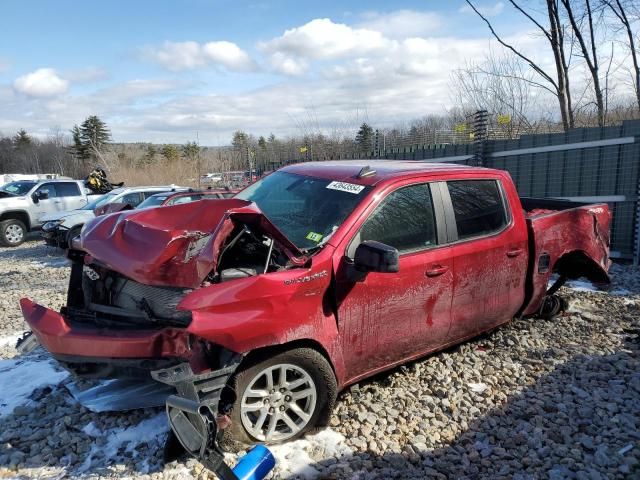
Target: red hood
<point>174,246</point>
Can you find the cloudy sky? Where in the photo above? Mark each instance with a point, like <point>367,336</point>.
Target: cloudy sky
<point>164,71</point>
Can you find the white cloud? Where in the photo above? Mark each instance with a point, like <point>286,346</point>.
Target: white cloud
<point>229,55</point>
<point>402,23</point>
<point>86,75</point>
<point>43,82</point>
<point>287,65</point>
<point>323,39</point>
<point>486,10</point>
<point>178,56</point>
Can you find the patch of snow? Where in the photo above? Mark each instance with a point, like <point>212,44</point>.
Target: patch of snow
<point>582,286</point>
<point>619,291</point>
<point>297,458</point>
<point>477,387</point>
<point>55,262</point>
<point>146,431</point>
<point>19,378</point>
<point>10,340</point>
<point>91,430</point>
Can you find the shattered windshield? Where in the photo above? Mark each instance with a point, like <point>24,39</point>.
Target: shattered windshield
<point>306,209</point>
<point>18,188</point>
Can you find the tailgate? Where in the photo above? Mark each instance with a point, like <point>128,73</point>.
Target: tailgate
<point>560,228</point>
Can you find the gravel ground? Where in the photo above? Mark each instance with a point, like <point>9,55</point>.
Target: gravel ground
<point>534,399</point>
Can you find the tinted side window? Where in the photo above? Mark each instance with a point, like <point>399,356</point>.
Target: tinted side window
<point>132,199</point>
<point>48,188</point>
<point>184,199</point>
<point>478,207</point>
<point>67,189</point>
<point>404,220</point>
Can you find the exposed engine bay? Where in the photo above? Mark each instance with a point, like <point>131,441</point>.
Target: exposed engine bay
<point>248,254</point>
<point>101,296</point>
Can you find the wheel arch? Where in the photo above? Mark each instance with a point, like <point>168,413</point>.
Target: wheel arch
<point>20,215</point>
<point>577,263</point>
<point>261,353</point>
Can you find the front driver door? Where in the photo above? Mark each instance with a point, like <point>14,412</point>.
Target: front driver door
<point>389,317</point>
<point>50,204</point>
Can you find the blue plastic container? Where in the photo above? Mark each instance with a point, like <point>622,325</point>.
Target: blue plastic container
<point>256,464</point>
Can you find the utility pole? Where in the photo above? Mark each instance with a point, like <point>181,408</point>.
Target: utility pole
<point>198,159</point>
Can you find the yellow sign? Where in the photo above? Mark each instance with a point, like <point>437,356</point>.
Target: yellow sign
<point>504,119</point>
<point>303,149</point>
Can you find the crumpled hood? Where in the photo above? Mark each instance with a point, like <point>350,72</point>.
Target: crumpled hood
<point>175,246</point>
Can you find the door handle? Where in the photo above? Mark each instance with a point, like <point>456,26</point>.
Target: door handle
<point>514,253</point>
<point>436,270</point>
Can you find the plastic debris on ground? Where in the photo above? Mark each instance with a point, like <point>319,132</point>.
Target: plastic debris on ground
<point>120,395</point>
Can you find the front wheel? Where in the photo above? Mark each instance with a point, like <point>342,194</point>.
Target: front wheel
<point>12,233</point>
<point>281,397</point>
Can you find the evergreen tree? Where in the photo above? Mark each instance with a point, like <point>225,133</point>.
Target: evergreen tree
<point>90,138</point>
<point>150,154</point>
<point>364,138</point>
<point>21,139</point>
<point>170,153</point>
<point>240,139</point>
<point>190,150</point>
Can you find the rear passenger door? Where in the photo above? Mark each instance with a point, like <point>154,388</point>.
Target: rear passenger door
<point>489,256</point>
<point>70,195</point>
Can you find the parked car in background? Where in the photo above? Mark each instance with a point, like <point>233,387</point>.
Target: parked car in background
<point>59,228</point>
<point>171,198</point>
<point>265,305</point>
<point>23,203</point>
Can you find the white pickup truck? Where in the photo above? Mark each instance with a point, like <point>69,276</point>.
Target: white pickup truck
<point>24,202</point>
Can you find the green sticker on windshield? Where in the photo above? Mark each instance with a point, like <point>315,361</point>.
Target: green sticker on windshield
<point>314,237</point>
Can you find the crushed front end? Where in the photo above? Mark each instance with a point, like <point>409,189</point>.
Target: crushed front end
<point>130,273</point>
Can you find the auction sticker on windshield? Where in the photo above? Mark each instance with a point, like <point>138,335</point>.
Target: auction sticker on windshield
<point>314,237</point>
<point>346,187</point>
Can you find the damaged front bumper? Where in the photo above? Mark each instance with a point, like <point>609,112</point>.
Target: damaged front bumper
<point>196,414</point>
<point>170,356</point>
<point>88,343</point>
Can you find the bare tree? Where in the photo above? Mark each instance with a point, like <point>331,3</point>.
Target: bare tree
<point>588,50</point>
<point>556,82</point>
<point>503,86</point>
<point>620,10</point>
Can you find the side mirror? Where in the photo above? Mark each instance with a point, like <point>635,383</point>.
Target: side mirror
<point>35,197</point>
<point>40,195</point>
<point>372,256</point>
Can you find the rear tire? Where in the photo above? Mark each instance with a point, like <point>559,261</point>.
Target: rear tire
<point>12,233</point>
<point>285,407</point>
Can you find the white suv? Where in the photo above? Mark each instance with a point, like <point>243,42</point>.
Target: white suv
<point>58,229</point>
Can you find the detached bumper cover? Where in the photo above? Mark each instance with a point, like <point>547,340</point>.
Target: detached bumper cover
<point>60,338</point>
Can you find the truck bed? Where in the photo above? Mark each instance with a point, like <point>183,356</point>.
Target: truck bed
<point>576,232</point>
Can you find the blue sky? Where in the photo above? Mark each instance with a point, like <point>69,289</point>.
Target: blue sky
<point>163,70</point>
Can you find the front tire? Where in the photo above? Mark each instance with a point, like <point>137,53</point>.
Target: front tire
<point>281,397</point>
<point>12,233</point>
<point>74,232</point>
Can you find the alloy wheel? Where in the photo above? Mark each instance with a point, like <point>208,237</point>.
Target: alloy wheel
<point>278,402</point>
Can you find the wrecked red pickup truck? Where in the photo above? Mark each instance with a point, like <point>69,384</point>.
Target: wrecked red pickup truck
<point>265,305</point>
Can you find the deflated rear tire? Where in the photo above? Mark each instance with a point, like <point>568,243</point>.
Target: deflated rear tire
<point>12,233</point>
<point>280,398</point>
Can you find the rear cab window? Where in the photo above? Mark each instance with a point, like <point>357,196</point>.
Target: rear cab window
<point>67,189</point>
<point>479,207</point>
